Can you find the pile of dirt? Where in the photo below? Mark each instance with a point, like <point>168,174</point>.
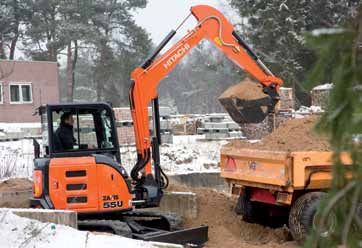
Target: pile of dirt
<point>15,193</point>
<point>292,135</point>
<point>15,184</point>
<point>226,228</point>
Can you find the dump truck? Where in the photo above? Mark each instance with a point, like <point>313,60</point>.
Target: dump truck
<point>279,183</point>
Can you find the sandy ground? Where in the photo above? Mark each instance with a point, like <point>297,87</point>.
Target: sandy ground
<point>226,229</point>
<point>15,184</point>
<point>12,185</point>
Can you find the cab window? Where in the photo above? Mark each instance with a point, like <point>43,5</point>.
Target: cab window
<point>82,129</point>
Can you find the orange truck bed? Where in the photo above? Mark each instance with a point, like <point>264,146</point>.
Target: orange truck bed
<point>277,170</point>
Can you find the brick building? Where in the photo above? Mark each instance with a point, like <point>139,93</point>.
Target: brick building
<point>24,86</point>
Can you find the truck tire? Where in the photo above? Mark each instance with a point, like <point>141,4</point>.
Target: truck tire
<point>302,214</point>
<point>252,212</point>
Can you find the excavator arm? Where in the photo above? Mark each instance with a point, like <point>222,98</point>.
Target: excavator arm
<point>212,25</point>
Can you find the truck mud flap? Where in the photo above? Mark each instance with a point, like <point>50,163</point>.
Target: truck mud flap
<point>194,236</point>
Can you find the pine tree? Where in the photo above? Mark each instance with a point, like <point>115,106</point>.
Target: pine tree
<point>340,58</point>
<point>13,14</point>
<point>275,29</point>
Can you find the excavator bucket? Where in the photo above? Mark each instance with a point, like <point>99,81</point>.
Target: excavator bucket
<point>247,102</point>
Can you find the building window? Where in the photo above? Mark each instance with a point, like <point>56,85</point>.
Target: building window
<point>1,93</point>
<point>20,93</point>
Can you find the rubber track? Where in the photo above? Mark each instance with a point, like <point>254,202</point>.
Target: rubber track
<point>118,227</point>
<point>174,219</point>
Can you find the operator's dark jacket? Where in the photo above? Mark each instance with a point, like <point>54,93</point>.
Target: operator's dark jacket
<point>64,139</point>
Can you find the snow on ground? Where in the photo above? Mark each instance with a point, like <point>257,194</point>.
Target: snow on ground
<point>304,111</point>
<point>187,154</point>
<point>22,232</point>
<point>309,110</point>
<point>17,127</point>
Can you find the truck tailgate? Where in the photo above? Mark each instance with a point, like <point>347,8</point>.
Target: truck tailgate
<point>256,166</point>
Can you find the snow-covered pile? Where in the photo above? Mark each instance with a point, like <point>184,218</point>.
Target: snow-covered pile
<point>309,110</point>
<point>17,127</point>
<point>187,154</point>
<point>16,158</point>
<point>323,87</point>
<point>21,232</point>
<point>327,31</point>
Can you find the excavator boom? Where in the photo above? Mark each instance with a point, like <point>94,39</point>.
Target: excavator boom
<point>212,25</point>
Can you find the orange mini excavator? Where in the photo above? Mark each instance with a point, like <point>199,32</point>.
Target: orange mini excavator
<point>90,179</point>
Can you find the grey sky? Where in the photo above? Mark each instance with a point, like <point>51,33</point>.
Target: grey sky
<point>161,16</point>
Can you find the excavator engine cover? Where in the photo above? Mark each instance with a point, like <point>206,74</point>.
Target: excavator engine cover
<point>248,102</point>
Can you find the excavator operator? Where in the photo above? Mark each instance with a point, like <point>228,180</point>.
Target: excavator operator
<point>64,137</point>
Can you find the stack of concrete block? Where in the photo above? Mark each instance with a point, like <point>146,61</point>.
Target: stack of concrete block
<point>125,125</point>
<point>219,127</point>
<point>320,95</point>
<point>164,111</point>
<point>286,98</point>
<point>186,128</point>
<point>167,137</point>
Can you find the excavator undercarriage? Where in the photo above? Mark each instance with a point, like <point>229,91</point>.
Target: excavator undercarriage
<point>148,226</point>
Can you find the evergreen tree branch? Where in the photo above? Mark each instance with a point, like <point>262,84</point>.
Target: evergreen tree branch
<point>352,211</point>
<point>331,203</point>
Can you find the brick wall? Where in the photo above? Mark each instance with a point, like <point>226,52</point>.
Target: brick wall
<point>125,134</point>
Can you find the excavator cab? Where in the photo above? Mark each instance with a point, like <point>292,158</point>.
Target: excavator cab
<point>86,176</point>
<point>94,130</point>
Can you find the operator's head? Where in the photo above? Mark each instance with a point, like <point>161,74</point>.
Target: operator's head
<point>67,118</point>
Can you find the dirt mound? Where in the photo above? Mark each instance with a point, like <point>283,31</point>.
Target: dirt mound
<point>226,229</point>
<point>15,184</point>
<point>15,193</point>
<point>293,135</point>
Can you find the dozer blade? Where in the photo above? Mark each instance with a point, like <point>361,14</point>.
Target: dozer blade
<point>195,237</point>
<point>160,227</point>
<point>248,102</point>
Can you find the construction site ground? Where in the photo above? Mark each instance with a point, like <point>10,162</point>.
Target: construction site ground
<point>216,209</point>
<point>226,228</point>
